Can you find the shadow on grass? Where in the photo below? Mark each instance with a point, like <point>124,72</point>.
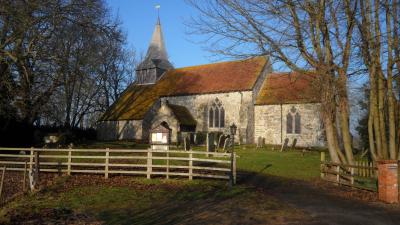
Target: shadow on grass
<point>175,207</point>
<point>155,202</point>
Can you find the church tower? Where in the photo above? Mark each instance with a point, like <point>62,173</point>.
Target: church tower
<point>156,61</point>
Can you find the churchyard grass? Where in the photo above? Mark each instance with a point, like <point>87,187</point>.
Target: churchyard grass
<point>293,164</point>
<point>142,201</point>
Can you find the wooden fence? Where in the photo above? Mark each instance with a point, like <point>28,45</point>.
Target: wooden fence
<point>362,174</point>
<point>146,162</point>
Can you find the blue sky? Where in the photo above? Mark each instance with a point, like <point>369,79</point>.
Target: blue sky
<point>138,19</point>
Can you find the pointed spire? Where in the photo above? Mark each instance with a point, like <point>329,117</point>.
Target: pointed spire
<point>156,56</point>
<point>158,14</point>
<point>157,46</point>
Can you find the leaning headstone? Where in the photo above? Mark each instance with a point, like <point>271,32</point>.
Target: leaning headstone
<point>285,144</point>
<point>220,141</point>
<point>226,144</point>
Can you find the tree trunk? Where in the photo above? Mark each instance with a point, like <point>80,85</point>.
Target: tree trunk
<point>331,138</point>
<point>371,138</point>
<point>344,117</point>
<point>391,103</point>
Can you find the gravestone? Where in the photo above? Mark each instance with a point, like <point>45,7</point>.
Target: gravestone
<point>210,142</point>
<point>294,143</point>
<point>186,143</point>
<point>222,140</point>
<point>285,144</point>
<point>260,142</point>
<point>227,144</point>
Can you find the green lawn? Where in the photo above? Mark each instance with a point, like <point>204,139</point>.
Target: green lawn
<point>288,164</point>
<point>112,144</point>
<point>141,201</point>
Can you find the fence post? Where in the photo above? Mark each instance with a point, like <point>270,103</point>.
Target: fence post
<point>31,172</point>
<point>2,181</point>
<point>338,174</point>
<point>149,163</point>
<point>322,165</point>
<point>37,167</point>
<point>24,181</point>
<point>352,176</point>
<point>362,168</point>
<point>190,165</point>
<point>31,161</point>
<point>167,164</point>
<point>365,168</point>
<point>69,161</point>
<point>107,161</point>
<point>370,169</point>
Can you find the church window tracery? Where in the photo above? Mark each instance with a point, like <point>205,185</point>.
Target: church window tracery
<point>293,122</point>
<point>216,114</point>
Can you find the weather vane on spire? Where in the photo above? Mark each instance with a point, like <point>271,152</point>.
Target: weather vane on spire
<point>158,13</point>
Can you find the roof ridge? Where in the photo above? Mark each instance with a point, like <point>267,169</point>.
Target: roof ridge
<point>221,62</point>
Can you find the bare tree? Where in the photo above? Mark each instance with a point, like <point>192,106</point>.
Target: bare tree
<point>380,51</point>
<point>53,56</point>
<point>307,36</point>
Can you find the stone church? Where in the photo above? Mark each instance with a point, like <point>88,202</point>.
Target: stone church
<point>275,106</point>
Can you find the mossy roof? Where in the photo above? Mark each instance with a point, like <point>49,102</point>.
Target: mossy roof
<point>231,76</point>
<point>183,115</point>
<point>287,88</point>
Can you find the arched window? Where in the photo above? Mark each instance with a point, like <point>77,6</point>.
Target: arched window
<point>222,117</point>
<point>216,117</point>
<point>293,122</point>
<point>216,114</point>
<point>211,117</point>
<point>289,123</point>
<point>297,125</point>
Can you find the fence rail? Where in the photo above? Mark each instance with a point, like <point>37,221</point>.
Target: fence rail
<point>147,162</point>
<point>362,174</point>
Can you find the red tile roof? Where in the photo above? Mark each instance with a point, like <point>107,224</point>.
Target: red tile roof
<point>218,77</point>
<point>284,88</point>
<point>231,76</point>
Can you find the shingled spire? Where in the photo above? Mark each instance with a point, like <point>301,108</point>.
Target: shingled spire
<point>156,61</point>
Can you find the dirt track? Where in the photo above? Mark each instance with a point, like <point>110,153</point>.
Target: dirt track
<point>326,203</point>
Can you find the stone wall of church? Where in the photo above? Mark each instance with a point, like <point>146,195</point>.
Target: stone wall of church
<point>165,114</point>
<point>119,130</point>
<point>271,124</point>
<point>148,119</point>
<point>238,106</point>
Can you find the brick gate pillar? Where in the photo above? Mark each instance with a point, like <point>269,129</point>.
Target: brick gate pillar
<point>388,190</point>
